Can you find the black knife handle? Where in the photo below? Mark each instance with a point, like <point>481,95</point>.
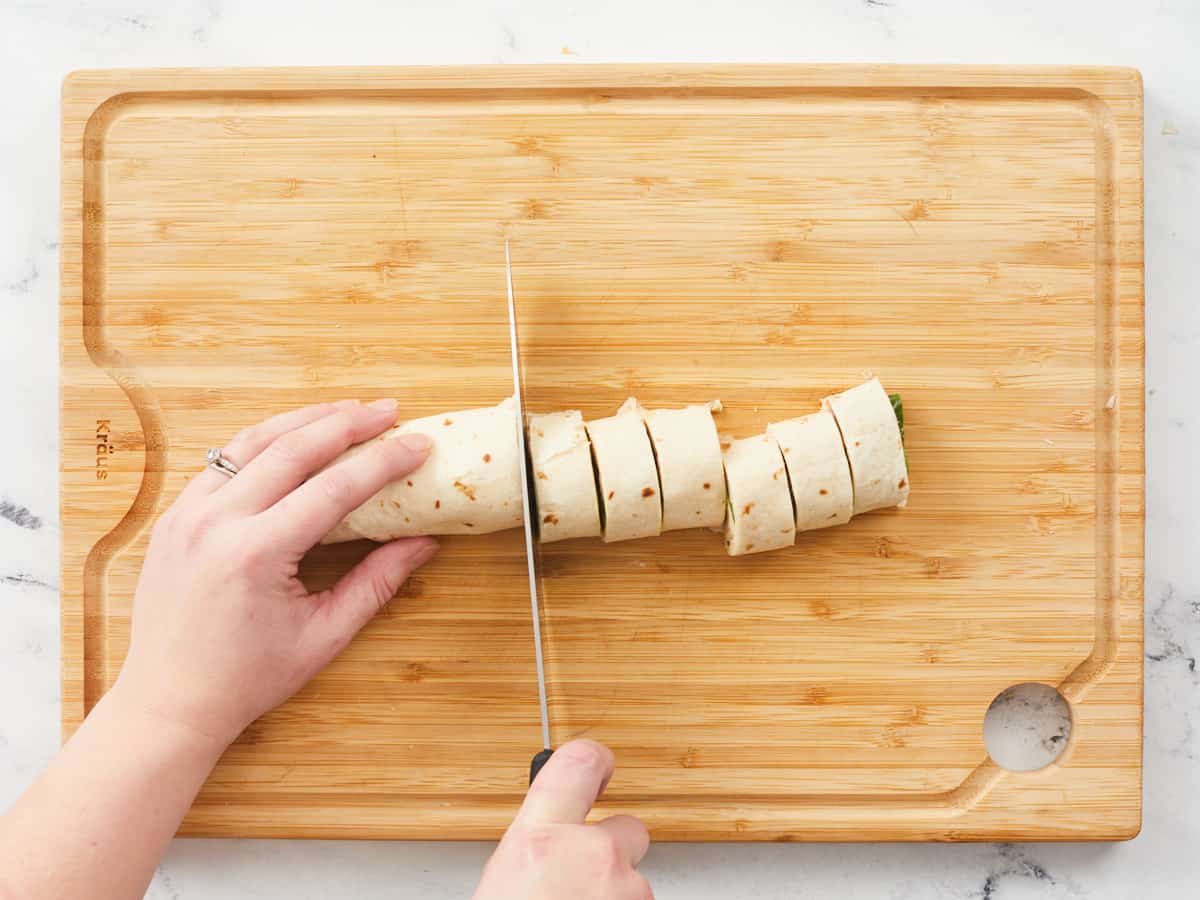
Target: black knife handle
<point>540,760</point>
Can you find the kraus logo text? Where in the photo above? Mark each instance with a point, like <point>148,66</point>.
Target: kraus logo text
<point>104,448</point>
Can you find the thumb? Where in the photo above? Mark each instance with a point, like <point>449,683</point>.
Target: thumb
<point>365,590</point>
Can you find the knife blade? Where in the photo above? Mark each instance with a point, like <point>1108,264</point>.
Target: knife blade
<point>544,754</point>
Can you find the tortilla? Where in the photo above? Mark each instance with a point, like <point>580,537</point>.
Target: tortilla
<point>759,513</point>
<point>470,483</point>
<point>627,478</point>
<point>688,453</point>
<point>654,470</point>
<point>817,470</point>
<point>874,448</point>
<point>563,480</point>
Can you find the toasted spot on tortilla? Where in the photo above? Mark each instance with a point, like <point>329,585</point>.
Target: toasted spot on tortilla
<point>902,483</point>
<point>543,476</point>
<point>707,486</point>
<point>823,492</point>
<point>746,509</point>
<point>409,482</point>
<point>610,494</point>
<point>647,492</point>
<point>487,457</point>
<point>437,504</point>
<point>465,489</point>
<point>550,519</point>
<point>447,421</point>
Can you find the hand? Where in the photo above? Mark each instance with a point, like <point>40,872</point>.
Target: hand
<point>549,854</point>
<point>223,630</point>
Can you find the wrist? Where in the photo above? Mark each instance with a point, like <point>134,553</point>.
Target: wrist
<point>142,718</point>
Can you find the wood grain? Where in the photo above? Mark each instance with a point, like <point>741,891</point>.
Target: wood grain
<point>238,242</point>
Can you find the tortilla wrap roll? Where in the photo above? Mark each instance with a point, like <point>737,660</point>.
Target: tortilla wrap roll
<point>758,513</point>
<point>470,483</point>
<point>690,470</point>
<point>873,444</point>
<point>626,475</point>
<point>564,482</point>
<point>818,472</point>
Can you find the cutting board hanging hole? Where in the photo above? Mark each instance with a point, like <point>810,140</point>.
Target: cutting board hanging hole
<point>1027,727</point>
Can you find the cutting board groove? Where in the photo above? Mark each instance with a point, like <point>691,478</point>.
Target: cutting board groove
<point>238,242</point>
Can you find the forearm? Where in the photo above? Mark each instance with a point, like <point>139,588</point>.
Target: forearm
<point>223,630</point>
<point>98,820</point>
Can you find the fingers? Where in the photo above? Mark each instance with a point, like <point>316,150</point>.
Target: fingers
<point>250,442</point>
<point>566,789</point>
<point>292,457</point>
<point>310,512</point>
<point>629,834</point>
<point>365,590</point>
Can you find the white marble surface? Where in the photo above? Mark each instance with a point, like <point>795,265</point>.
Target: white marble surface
<point>42,41</point>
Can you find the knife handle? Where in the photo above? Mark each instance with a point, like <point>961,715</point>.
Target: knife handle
<point>543,757</point>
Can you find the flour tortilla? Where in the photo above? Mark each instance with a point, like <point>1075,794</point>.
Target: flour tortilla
<point>871,437</point>
<point>564,482</point>
<point>626,475</point>
<point>470,484</point>
<point>817,470</point>
<point>759,513</point>
<point>688,453</point>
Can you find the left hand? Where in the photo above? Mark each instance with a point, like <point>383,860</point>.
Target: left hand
<point>223,629</point>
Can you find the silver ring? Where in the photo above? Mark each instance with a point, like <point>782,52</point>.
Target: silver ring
<point>218,462</point>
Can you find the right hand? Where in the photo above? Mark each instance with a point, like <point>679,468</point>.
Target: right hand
<point>549,854</point>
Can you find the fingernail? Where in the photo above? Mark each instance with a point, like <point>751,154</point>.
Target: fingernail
<point>423,554</point>
<point>417,443</point>
<point>344,404</point>
<point>386,404</point>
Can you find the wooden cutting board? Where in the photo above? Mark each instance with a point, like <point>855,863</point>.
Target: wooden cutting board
<point>236,243</point>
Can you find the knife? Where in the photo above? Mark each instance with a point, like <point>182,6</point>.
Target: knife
<point>544,754</point>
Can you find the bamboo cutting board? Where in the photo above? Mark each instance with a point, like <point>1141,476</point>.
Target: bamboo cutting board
<point>236,243</point>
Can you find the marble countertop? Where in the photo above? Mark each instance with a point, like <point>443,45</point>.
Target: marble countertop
<point>44,40</point>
